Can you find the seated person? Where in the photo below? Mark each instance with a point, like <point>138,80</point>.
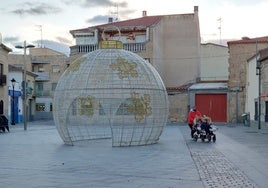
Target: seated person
<point>206,124</point>
<point>197,122</point>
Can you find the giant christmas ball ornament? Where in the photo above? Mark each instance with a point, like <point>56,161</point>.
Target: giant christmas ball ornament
<point>110,93</point>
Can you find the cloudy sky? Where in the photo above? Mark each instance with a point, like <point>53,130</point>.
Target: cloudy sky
<point>52,20</point>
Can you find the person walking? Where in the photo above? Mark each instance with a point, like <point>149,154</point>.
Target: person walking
<point>192,115</point>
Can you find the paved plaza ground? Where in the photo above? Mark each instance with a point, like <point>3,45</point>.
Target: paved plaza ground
<point>38,158</point>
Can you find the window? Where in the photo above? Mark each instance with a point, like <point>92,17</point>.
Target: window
<point>122,110</point>
<point>1,69</point>
<point>39,88</point>
<point>147,60</point>
<point>41,68</point>
<point>40,107</point>
<point>55,69</point>
<point>53,86</point>
<point>266,112</point>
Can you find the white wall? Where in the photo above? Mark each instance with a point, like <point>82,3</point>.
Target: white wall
<point>252,88</point>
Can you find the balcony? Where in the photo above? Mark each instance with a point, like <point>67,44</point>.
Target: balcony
<point>78,49</point>
<point>41,93</point>
<point>36,60</point>
<point>133,47</point>
<point>42,76</point>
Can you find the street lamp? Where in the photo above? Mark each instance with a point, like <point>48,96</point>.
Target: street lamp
<point>24,82</point>
<point>258,73</point>
<point>13,81</point>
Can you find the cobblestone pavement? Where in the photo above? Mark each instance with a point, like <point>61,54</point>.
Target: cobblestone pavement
<point>228,162</point>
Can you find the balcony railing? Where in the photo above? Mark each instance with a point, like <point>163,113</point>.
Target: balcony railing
<point>40,93</point>
<point>42,76</point>
<point>77,49</point>
<point>133,47</point>
<point>36,60</point>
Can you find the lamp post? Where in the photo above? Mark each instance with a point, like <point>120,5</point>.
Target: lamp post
<point>24,83</point>
<point>258,72</point>
<point>13,81</point>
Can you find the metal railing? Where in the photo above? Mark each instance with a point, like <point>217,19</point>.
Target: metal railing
<point>133,47</point>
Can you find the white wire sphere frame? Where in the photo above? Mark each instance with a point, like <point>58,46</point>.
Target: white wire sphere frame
<point>110,93</point>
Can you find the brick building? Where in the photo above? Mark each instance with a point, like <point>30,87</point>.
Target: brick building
<point>240,52</point>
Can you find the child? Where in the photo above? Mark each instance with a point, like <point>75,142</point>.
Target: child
<point>206,124</point>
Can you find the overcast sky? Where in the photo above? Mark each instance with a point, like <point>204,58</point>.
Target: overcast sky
<point>23,19</point>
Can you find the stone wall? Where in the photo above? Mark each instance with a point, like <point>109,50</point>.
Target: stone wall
<point>178,107</point>
<point>239,52</point>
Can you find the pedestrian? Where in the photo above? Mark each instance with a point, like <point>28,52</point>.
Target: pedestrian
<point>192,116</point>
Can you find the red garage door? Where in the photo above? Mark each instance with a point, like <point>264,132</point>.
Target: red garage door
<point>212,105</point>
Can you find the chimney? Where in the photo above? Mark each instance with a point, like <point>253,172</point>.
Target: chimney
<point>144,13</point>
<point>110,20</point>
<point>195,8</point>
<point>245,38</point>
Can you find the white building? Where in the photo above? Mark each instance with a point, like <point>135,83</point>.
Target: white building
<point>251,87</point>
<point>257,68</point>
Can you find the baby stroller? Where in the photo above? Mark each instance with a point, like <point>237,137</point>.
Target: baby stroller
<point>204,130</point>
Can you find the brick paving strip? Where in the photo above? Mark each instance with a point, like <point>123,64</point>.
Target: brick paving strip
<point>217,171</point>
<point>214,168</point>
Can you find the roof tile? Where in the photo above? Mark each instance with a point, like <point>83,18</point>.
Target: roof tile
<point>249,40</point>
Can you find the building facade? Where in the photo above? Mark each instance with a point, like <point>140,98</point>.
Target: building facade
<point>16,110</point>
<point>164,41</point>
<point>214,63</point>
<point>240,51</point>
<point>48,65</point>
<point>257,86</point>
<point>171,43</point>
<point>4,107</point>
<point>210,93</point>
<point>44,67</point>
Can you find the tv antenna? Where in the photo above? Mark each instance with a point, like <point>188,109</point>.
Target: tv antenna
<point>220,21</point>
<point>115,13</point>
<point>40,28</point>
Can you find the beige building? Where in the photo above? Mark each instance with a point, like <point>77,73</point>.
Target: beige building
<point>171,43</point>
<point>47,65</point>
<point>210,93</point>
<point>4,107</point>
<point>240,52</point>
<point>214,63</point>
